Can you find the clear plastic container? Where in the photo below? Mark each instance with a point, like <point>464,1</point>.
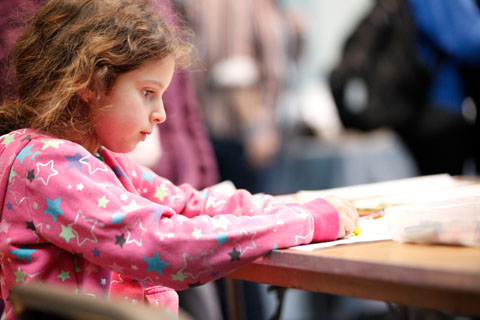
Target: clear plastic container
<point>455,222</point>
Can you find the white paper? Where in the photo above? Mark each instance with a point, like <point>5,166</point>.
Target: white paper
<point>371,230</point>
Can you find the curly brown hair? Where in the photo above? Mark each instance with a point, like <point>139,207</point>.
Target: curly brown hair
<point>74,45</point>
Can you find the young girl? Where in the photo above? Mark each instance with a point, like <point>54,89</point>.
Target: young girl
<point>76,213</point>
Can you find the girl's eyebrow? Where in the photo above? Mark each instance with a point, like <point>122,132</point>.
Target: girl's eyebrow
<point>158,83</point>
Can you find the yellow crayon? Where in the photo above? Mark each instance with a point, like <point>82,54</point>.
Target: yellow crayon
<point>357,231</point>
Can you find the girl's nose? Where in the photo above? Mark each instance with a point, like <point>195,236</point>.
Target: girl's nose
<point>158,115</point>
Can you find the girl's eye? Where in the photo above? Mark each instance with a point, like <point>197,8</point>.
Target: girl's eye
<point>148,93</point>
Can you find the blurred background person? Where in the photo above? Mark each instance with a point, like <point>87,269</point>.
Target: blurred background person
<point>241,46</point>
<point>13,15</point>
<point>444,140</point>
<point>413,66</point>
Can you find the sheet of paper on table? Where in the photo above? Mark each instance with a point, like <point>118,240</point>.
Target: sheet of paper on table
<point>381,195</point>
<point>378,196</point>
<point>371,230</point>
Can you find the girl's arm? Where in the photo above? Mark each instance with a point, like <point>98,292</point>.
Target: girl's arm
<point>85,208</point>
<point>185,199</point>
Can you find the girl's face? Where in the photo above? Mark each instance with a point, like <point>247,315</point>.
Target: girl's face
<point>127,114</point>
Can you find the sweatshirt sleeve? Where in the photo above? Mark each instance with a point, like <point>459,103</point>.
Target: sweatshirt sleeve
<point>134,222</point>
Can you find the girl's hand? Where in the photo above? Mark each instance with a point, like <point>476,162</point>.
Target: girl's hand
<point>348,215</point>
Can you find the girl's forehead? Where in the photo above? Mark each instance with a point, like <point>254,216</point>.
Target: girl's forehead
<point>148,63</point>
<point>156,71</point>
<point>156,65</point>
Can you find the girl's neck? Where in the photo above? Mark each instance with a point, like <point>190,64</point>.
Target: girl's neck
<point>93,148</point>
<point>88,142</point>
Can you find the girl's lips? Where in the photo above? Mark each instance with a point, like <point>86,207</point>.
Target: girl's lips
<point>144,135</point>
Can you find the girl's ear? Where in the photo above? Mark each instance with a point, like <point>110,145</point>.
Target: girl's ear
<point>87,95</point>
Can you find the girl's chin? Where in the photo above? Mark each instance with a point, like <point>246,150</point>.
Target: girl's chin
<point>123,149</point>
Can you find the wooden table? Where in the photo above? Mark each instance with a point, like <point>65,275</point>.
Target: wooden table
<point>436,277</point>
<point>428,276</point>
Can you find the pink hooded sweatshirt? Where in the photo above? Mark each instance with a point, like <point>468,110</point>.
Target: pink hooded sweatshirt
<point>105,226</point>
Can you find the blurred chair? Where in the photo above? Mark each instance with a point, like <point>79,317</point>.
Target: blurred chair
<point>37,302</point>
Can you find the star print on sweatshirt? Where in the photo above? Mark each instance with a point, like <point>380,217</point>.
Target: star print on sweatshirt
<point>71,218</point>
